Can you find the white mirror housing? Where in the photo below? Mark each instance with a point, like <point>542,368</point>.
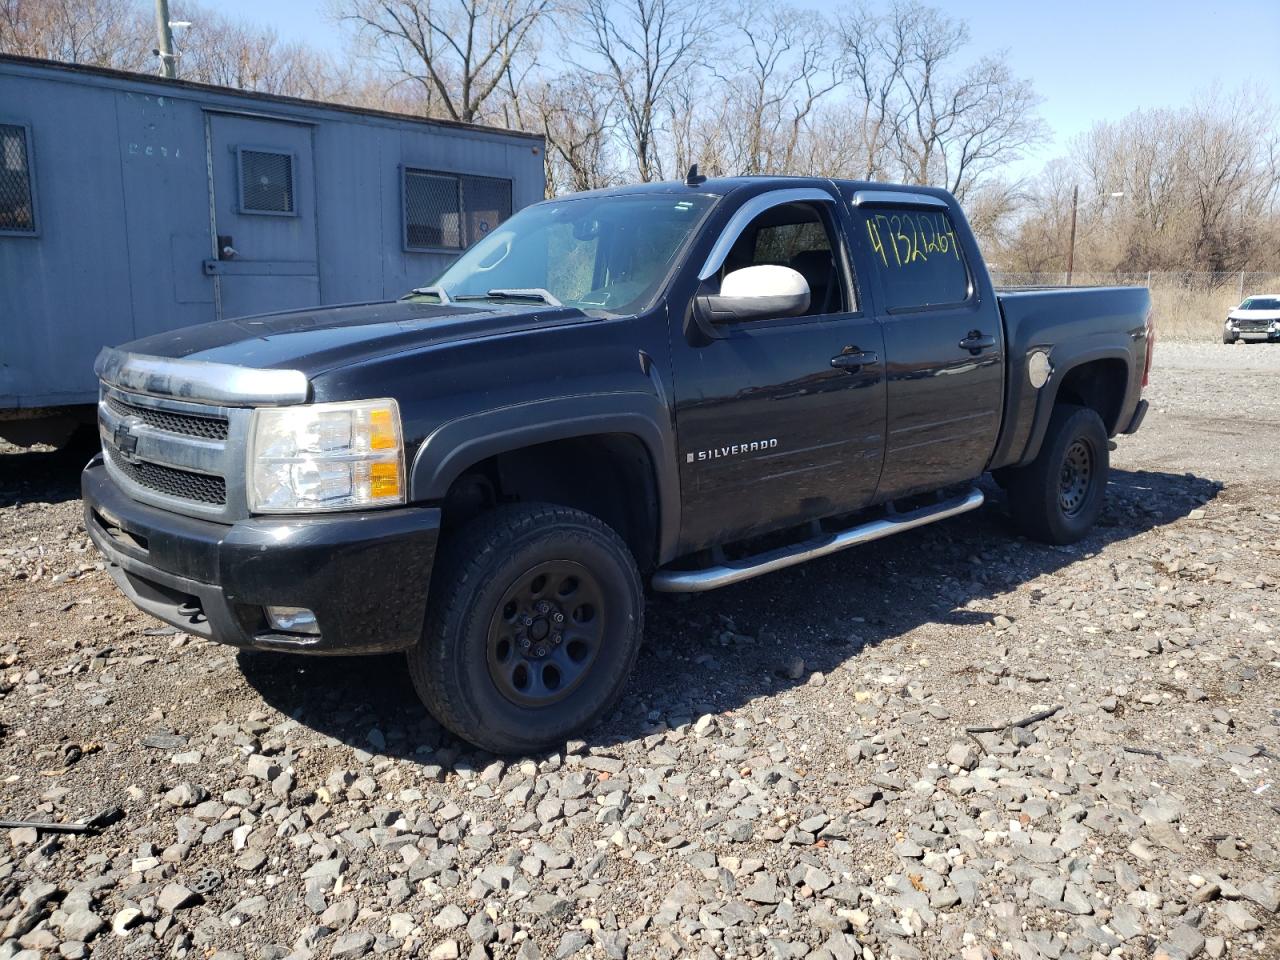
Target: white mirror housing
<point>756,293</point>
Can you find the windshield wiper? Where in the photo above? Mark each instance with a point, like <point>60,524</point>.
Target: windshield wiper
<point>432,291</point>
<point>518,293</point>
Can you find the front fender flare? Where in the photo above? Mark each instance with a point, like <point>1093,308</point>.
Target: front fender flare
<point>455,446</point>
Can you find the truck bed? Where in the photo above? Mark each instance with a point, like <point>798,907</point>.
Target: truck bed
<point>1073,325</point>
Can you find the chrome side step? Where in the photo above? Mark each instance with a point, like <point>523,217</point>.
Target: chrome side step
<point>709,578</point>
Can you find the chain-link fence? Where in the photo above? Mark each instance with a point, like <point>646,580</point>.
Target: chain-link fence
<point>1188,305</point>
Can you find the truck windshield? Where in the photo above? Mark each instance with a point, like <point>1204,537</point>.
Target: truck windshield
<point>1260,303</point>
<point>600,254</point>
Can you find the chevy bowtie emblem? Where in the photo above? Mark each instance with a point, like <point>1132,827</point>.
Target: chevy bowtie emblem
<point>125,439</point>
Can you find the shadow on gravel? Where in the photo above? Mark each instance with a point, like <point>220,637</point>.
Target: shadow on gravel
<point>44,475</point>
<point>720,650</point>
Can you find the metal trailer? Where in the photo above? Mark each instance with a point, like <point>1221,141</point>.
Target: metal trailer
<point>132,204</point>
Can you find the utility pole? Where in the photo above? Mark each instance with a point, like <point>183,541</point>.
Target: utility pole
<point>164,39</point>
<point>1071,246</point>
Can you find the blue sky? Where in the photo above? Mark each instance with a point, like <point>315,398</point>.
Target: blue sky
<point>1088,59</point>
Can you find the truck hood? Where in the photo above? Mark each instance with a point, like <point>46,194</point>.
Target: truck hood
<point>1254,315</point>
<point>320,339</point>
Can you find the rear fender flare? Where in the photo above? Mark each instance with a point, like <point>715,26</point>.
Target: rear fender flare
<point>453,447</point>
<point>1064,361</point>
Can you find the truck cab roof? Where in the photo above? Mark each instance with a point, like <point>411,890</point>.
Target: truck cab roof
<point>723,186</point>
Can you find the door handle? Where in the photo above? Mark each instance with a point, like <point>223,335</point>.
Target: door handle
<point>854,360</point>
<point>977,341</point>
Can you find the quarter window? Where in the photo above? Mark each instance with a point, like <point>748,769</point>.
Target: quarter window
<point>17,204</point>
<point>451,211</point>
<point>918,258</point>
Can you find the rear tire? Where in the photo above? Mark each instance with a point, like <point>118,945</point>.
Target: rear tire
<point>1057,497</point>
<point>533,626</point>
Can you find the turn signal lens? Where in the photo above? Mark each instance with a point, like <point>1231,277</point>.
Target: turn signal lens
<point>384,429</point>
<point>384,480</point>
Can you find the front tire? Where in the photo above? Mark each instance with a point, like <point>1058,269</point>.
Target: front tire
<point>1228,338</point>
<point>1057,497</point>
<point>533,626</point>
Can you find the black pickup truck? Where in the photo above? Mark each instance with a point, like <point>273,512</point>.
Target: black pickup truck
<point>682,385</point>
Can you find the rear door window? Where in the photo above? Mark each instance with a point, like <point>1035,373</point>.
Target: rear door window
<point>917,257</point>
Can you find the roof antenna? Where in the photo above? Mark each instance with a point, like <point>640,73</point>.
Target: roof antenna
<point>693,178</point>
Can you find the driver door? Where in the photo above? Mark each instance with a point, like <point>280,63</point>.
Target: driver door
<point>775,425</point>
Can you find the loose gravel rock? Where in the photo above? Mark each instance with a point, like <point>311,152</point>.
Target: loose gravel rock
<point>791,773</point>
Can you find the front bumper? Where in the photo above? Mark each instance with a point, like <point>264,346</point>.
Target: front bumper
<point>364,574</point>
<point>1269,333</point>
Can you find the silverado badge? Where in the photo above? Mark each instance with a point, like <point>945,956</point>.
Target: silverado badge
<point>733,450</point>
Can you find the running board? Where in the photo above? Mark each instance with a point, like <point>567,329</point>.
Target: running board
<point>709,578</point>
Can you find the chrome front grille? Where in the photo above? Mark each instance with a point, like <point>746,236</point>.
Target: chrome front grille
<point>183,456</point>
<point>183,484</point>
<point>190,424</point>
<point>175,431</point>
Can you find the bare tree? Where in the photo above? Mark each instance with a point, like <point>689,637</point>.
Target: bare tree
<point>1199,186</point>
<point>100,33</point>
<point>574,117</point>
<point>992,209</point>
<point>697,125</point>
<point>924,120</point>
<point>458,52</point>
<point>873,64</point>
<point>1232,170</point>
<point>645,46</point>
<point>232,53</point>
<point>786,70</point>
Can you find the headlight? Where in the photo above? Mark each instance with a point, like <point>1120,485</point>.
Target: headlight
<point>326,456</point>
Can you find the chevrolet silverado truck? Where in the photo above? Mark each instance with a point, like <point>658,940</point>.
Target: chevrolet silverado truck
<point>679,385</point>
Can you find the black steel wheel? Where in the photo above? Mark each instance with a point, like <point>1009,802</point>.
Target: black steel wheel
<point>533,625</point>
<point>1058,496</point>
<point>1076,477</point>
<point>545,633</point>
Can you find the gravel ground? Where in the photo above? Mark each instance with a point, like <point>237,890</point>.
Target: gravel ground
<point>789,774</point>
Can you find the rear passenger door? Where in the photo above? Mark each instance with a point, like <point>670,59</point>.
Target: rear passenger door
<point>944,347</point>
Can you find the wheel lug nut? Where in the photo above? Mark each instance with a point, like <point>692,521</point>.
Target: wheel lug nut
<point>558,617</point>
<point>527,621</point>
<point>540,652</point>
<point>524,643</point>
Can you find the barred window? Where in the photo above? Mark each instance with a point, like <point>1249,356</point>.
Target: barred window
<point>444,210</point>
<point>17,204</point>
<point>432,209</point>
<point>266,182</point>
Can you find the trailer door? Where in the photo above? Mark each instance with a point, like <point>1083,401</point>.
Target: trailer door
<point>263,214</point>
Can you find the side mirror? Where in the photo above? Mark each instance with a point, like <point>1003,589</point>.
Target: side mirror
<point>756,293</point>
